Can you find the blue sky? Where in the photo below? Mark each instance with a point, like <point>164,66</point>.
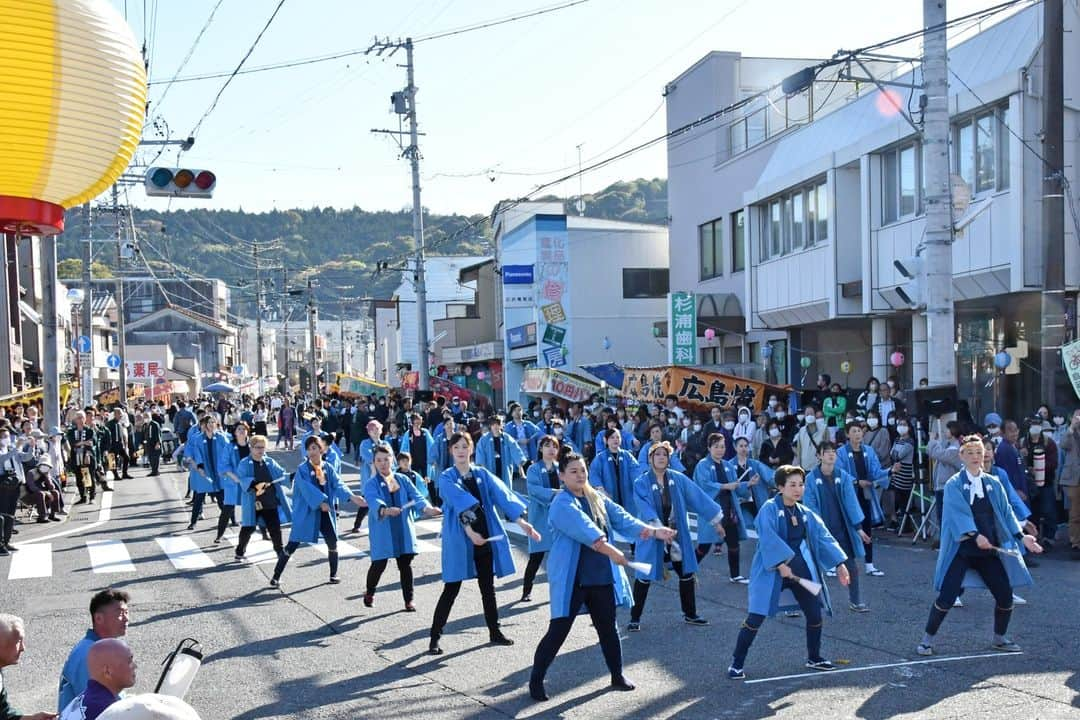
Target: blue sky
<point>505,102</point>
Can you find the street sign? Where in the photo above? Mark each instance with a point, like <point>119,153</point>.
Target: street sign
<point>113,361</point>
<point>82,344</point>
<point>86,359</point>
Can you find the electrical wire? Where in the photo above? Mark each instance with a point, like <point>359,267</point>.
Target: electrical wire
<point>190,53</point>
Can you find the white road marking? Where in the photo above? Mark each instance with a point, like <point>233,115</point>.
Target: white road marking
<point>109,556</point>
<point>258,551</point>
<point>345,550</point>
<point>31,561</point>
<point>928,661</point>
<point>184,554</point>
<point>103,517</point>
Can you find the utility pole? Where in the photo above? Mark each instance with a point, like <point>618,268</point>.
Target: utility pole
<point>121,345</point>
<point>940,325</point>
<point>1053,203</point>
<point>311,335</point>
<point>258,318</point>
<point>341,336</point>
<point>405,104</point>
<point>86,378</point>
<point>51,392</point>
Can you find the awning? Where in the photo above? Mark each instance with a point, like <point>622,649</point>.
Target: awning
<point>556,383</point>
<point>34,395</point>
<point>610,373</point>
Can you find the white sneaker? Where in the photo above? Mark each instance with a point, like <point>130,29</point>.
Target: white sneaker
<point>1017,600</point>
<point>830,573</point>
<point>958,603</point>
<point>873,571</point>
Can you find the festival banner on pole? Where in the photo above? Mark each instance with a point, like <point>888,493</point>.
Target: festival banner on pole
<point>697,388</point>
<point>543,381</point>
<point>682,328</point>
<point>1070,357</point>
<point>552,283</point>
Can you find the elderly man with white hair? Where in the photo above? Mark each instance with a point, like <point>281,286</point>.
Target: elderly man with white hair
<point>12,644</point>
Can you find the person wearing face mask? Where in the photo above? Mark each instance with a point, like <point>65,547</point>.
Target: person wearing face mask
<point>888,405</point>
<point>902,469</point>
<point>835,407</point>
<point>776,450</point>
<point>877,437</point>
<point>745,427</point>
<point>809,439</point>
<point>868,398</point>
<point>761,434</point>
<point>1040,455</point>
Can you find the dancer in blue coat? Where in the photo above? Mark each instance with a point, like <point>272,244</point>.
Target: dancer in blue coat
<point>717,479</point>
<point>614,470</point>
<point>262,496</point>
<point>980,547</point>
<point>420,445</point>
<point>474,543</point>
<point>392,532</point>
<point>861,462</point>
<point>365,454</point>
<point>586,571</point>
<point>542,485</point>
<point>315,488</point>
<point>793,545</point>
<point>209,455</point>
<point>830,492</point>
<point>663,498</point>
<point>755,480</point>
<point>525,433</point>
<point>656,435</point>
<point>231,491</point>
<point>333,452</point>
<point>498,453</point>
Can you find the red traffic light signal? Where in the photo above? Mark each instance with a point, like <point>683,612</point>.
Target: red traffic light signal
<point>180,182</point>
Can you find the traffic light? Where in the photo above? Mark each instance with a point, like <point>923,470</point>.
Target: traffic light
<point>180,182</point>
<point>913,292</point>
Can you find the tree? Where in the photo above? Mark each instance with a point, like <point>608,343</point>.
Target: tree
<point>71,269</point>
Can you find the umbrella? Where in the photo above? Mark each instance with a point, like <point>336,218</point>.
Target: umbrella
<point>220,387</point>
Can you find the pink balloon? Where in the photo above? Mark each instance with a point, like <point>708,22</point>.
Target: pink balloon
<point>710,333</point>
<point>897,359</point>
<point>480,374</point>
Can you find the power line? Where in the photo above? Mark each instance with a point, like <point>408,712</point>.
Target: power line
<point>190,53</point>
<point>495,23</point>
<point>251,49</point>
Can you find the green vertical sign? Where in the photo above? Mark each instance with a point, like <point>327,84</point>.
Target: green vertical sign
<point>682,328</point>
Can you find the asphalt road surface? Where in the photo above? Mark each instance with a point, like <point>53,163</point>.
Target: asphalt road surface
<point>312,650</point>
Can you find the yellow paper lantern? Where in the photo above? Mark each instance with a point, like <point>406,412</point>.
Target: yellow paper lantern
<point>72,104</point>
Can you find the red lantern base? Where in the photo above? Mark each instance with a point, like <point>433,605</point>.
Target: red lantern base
<point>27,216</point>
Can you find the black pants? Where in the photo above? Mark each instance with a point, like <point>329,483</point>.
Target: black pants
<point>686,594</point>
<point>867,524</point>
<point>228,515</point>
<point>120,469</point>
<point>600,601</point>
<point>9,500</point>
<point>326,528</point>
<point>485,578</point>
<point>433,493</point>
<point>731,539</point>
<point>533,567</point>
<point>46,499</point>
<point>993,575</point>
<point>811,608</point>
<point>200,498</point>
<point>154,456</point>
<point>273,526</point>
<point>404,566</point>
<point>360,515</point>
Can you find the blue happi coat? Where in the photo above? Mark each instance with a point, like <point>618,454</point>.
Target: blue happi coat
<point>457,549</point>
<point>845,495</point>
<point>626,439</point>
<point>392,537</point>
<point>643,458</point>
<point>1019,507</point>
<point>432,469</point>
<point>705,476</point>
<point>366,453</point>
<point>196,453</point>
<point>245,470</point>
<point>820,551</point>
<point>512,456</point>
<point>540,496</point>
<point>571,527</point>
<point>879,476</point>
<point>442,452</point>
<point>526,435</point>
<point>758,492</point>
<point>308,496</point>
<point>602,475</point>
<point>958,523</point>
<point>685,497</point>
<point>333,452</point>
<point>579,431</point>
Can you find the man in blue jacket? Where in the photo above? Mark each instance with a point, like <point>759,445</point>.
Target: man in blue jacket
<point>109,619</point>
<point>861,463</point>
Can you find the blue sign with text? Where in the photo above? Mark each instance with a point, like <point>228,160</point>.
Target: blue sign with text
<point>517,274</point>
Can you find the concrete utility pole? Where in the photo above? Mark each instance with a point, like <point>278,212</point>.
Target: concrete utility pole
<point>1053,203</point>
<point>413,151</point>
<point>86,379</point>
<point>51,367</point>
<point>258,318</point>
<point>938,265</point>
<point>121,345</point>
<point>341,336</point>
<point>311,335</point>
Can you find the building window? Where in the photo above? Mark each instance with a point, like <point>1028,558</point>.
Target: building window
<point>901,183</point>
<point>641,283</point>
<point>776,230</point>
<point>738,242</point>
<point>795,220</point>
<point>710,356</point>
<point>822,214</point>
<point>798,220</point>
<point>1004,123</point>
<point>982,150</point>
<point>710,246</point>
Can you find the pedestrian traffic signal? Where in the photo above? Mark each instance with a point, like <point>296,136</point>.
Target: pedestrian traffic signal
<point>180,182</point>
<point>913,292</point>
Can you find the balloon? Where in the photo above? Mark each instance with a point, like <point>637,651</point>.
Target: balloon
<point>468,370</point>
<point>845,367</point>
<point>896,359</point>
<point>606,343</point>
<point>804,362</point>
<point>1002,360</point>
<point>432,371</point>
<point>480,374</point>
<point>710,334</point>
<point>655,331</point>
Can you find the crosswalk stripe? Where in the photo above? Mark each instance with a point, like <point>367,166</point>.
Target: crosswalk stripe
<point>31,561</point>
<point>109,556</point>
<point>258,551</point>
<point>345,550</point>
<point>184,554</point>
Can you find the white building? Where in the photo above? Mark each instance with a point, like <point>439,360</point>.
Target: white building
<point>792,210</point>
<point>249,348</point>
<point>441,277</point>
<point>577,291</point>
